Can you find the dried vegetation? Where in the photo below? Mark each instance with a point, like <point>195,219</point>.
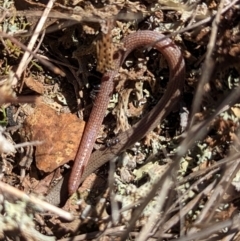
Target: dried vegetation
<point>181,182</point>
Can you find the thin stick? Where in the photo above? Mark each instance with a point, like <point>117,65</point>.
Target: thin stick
<point>208,65</point>
<point>41,60</point>
<point>28,143</point>
<point>27,56</point>
<point>5,188</point>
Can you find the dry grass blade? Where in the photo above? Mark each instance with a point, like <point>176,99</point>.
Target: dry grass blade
<point>204,233</point>
<point>27,55</point>
<point>208,63</point>
<point>8,190</point>
<point>46,63</point>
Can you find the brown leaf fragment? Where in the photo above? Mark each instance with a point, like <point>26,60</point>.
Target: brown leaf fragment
<point>35,85</point>
<point>61,135</point>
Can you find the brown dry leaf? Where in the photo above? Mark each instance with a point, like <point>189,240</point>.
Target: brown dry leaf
<point>35,85</point>
<point>61,135</point>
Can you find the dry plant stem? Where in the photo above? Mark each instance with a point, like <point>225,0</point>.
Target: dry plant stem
<point>229,174</point>
<point>31,143</point>
<point>114,205</point>
<point>181,199</point>
<point>116,231</point>
<point>7,189</point>
<point>216,195</point>
<point>73,18</point>
<point>232,223</point>
<point>200,23</point>
<point>28,61</point>
<point>172,169</point>
<point>219,190</point>
<point>176,218</point>
<point>27,57</point>
<point>193,15</point>
<point>57,62</point>
<point>80,17</point>
<point>43,61</point>
<point>19,99</point>
<point>152,220</point>
<point>198,131</point>
<point>229,159</point>
<point>231,235</point>
<point>207,66</point>
<point>230,171</point>
<point>149,122</point>
<point>192,187</point>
